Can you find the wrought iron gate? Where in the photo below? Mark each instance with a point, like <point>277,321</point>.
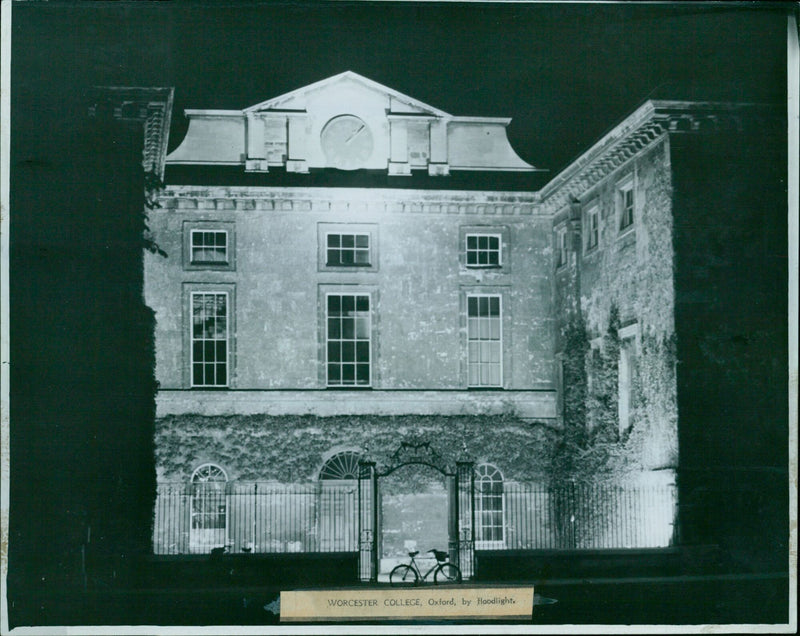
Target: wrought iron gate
<point>461,513</point>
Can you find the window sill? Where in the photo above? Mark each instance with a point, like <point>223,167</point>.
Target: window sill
<point>210,266</point>
<point>485,388</point>
<point>589,251</point>
<point>626,231</point>
<point>484,266</point>
<point>348,265</point>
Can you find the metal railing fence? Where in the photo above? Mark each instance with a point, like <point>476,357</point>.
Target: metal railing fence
<point>253,517</point>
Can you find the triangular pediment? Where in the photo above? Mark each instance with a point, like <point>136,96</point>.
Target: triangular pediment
<point>346,84</point>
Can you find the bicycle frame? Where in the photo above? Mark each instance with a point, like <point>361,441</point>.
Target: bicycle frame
<point>422,576</point>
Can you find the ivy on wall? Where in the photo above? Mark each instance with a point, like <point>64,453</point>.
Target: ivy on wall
<point>292,448</point>
<point>592,448</point>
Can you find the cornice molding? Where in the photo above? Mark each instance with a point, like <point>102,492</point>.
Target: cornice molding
<point>450,202</point>
<point>152,106</point>
<point>641,130</point>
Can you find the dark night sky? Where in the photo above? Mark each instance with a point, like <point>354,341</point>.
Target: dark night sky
<point>565,73</point>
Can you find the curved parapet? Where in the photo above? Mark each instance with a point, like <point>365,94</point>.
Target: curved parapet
<point>347,122</point>
<point>213,137</point>
<point>482,144</point>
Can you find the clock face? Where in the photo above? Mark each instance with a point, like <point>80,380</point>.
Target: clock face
<point>347,142</point>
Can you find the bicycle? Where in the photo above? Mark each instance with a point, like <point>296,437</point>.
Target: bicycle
<point>408,574</point>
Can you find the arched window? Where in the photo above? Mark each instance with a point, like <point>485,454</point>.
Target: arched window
<point>342,465</point>
<point>489,507</point>
<point>209,508</point>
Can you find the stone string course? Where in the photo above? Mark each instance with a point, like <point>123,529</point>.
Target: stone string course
<point>170,201</point>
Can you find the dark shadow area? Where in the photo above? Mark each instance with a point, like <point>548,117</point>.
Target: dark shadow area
<point>731,286</point>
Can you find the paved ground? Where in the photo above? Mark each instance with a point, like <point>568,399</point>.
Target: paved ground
<point>722,599</point>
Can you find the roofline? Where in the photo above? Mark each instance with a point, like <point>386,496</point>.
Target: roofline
<point>505,121</point>
<point>643,115</point>
<point>357,77</point>
<point>207,112</point>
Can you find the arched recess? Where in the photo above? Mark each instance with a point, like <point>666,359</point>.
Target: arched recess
<point>209,508</point>
<point>337,505</point>
<point>489,507</point>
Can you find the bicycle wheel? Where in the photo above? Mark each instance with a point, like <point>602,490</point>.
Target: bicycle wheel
<point>403,575</point>
<point>447,573</point>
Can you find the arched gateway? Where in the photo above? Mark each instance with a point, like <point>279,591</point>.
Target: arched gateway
<point>459,477</point>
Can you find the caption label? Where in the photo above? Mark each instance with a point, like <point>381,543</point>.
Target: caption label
<point>422,603</point>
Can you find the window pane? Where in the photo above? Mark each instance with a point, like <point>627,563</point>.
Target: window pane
<point>334,304</point>
<point>347,257</point>
<point>348,373</point>
<point>362,257</point>
<point>348,304</point>
<point>334,352</point>
<point>472,306</point>
<point>334,375</point>
<point>483,242</point>
<point>362,328</point>
<point>494,306</point>
<point>348,351</point>
<point>220,328</point>
<point>348,328</point>
<point>362,373</point>
<point>333,240</point>
<point>485,329</point>
<point>362,351</point>
<point>348,240</point>
<point>362,240</point>
<point>334,328</point>
<point>363,303</point>
<point>472,242</point>
<point>483,305</point>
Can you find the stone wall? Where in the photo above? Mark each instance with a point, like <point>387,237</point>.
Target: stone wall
<point>418,283</point>
<point>623,286</point>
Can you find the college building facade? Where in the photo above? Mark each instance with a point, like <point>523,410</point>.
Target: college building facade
<point>399,363</point>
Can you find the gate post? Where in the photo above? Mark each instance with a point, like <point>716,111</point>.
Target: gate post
<point>465,511</point>
<point>367,522</point>
<point>453,541</point>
